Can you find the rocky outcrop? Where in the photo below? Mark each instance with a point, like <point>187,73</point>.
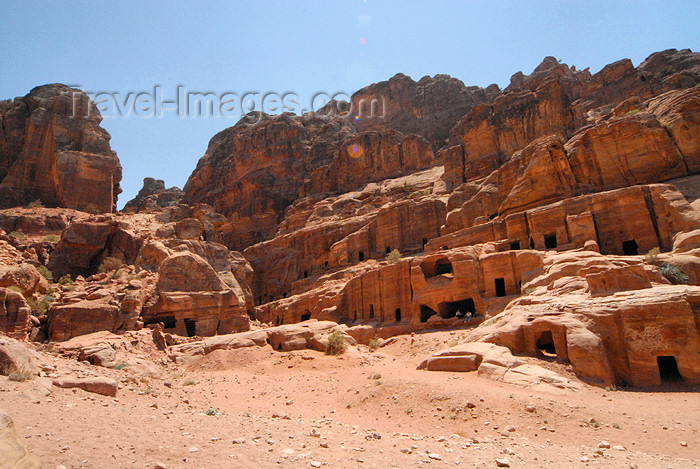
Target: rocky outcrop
<point>17,360</point>
<point>310,335</point>
<point>556,100</point>
<point>84,245</point>
<point>319,236</point>
<point>252,172</point>
<point>429,107</point>
<point>152,196</point>
<point>53,150</point>
<point>630,147</point>
<point>110,301</point>
<point>24,277</point>
<point>15,314</point>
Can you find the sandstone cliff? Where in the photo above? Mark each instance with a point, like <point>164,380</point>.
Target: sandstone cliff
<point>53,150</point>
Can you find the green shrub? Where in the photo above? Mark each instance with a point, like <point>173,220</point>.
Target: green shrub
<point>65,279</point>
<point>41,306</point>
<point>18,234</point>
<point>109,264</point>
<point>211,412</point>
<point>5,105</point>
<point>189,382</point>
<point>45,272</point>
<point>120,366</point>
<point>374,343</point>
<point>673,274</point>
<point>36,204</point>
<point>652,257</point>
<point>92,208</point>
<point>394,256</point>
<point>52,238</point>
<point>336,344</point>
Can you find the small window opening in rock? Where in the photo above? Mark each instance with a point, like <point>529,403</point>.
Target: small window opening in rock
<point>445,248</point>
<point>532,243</point>
<point>306,274</point>
<point>371,311</point>
<point>550,241</point>
<point>668,369</point>
<point>515,246</point>
<point>545,344</point>
<point>630,248</point>
<point>443,266</point>
<point>325,264</point>
<point>361,256</point>
<point>191,327</point>
<point>388,249</point>
<point>425,241</point>
<point>500,285</point>
<point>397,314</point>
<point>305,317</point>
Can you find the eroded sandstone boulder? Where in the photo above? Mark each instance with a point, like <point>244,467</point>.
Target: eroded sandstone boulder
<point>15,314</point>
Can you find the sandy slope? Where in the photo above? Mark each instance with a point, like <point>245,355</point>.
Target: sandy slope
<point>274,401</point>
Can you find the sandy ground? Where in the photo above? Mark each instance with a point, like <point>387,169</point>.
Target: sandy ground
<point>361,409</point>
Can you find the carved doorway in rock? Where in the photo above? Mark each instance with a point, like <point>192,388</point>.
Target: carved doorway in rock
<point>191,327</point>
<point>545,344</point>
<point>668,369</point>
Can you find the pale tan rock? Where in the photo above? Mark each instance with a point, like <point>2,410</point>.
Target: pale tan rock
<point>14,454</point>
<point>98,385</point>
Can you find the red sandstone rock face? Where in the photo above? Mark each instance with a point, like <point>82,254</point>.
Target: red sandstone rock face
<point>319,236</point>
<point>251,173</point>
<point>52,149</point>
<point>429,107</point>
<point>637,146</point>
<point>556,100</point>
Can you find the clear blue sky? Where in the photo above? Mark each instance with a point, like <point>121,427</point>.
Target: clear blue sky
<point>303,47</point>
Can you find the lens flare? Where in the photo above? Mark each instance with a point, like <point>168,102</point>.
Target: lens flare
<point>355,150</point>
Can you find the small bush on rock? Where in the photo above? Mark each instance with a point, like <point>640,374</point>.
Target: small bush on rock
<point>36,204</point>
<point>45,272</point>
<point>65,279</point>
<point>41,306</point>
<point>52,238</point>
<point>374,343</point>
<point>652,257</point>
<point>110,264</point>
<point>394,256</point>
<point>18,234</point>
<point>336,344</point>
<point>673,274</point>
